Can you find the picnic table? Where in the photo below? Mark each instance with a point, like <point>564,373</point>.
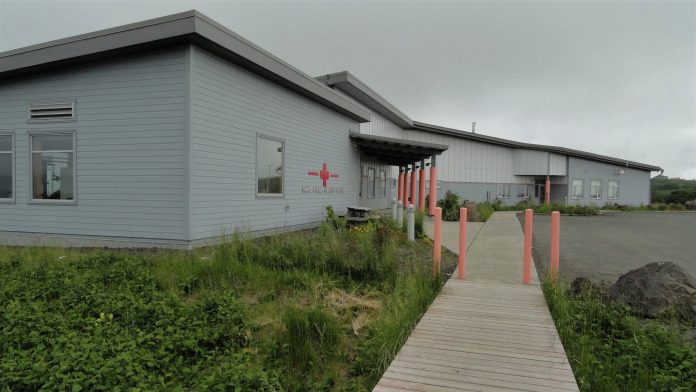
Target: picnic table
<point>357,215</point>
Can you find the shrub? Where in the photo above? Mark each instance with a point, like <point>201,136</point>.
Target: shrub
<point>312,337</point>
<point>485,210</point>
<point>450,206</point>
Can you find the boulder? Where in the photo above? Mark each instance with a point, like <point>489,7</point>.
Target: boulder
<point>656,288</point>
<point>690,205</point>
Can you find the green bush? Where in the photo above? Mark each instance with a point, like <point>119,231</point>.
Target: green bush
<point>312,337</point>
<point>485,210</point>
<point>610,350</point>
<point>450,205</point>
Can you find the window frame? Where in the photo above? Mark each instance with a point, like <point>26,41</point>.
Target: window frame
<point>527,193</point>
<point>282,165</point>
<point>53,132</point>
<point>573,195</point>
<point>599,195</point>
<point>506,191</point>
<point>371,190</point>
<point>609,188</point>
<point>13,168</point>
<point>382,183</point>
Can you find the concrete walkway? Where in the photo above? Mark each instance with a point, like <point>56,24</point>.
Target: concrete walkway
<point>488,332</point>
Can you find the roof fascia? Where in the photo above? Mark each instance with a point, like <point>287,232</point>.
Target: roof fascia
<point>419,126</point>
<point>348,83</point>
<point>190,26</point>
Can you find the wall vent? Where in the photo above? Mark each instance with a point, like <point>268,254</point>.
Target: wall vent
<point>52,110</point>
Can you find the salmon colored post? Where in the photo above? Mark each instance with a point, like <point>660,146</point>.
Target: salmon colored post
<point>433,190</point>
<point>438,241</point>
<point>547,192</point>
<point>405,195</point>
<point>401,185</point>
<point>421,188</point>
<point>555,242</point>
<point>413,186</point>
<point>462,242</point>
<point>526,273</point>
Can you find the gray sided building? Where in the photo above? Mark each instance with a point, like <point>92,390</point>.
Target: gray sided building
<point>166,133</point>
<point>174,131</point>
<point>482,168</point>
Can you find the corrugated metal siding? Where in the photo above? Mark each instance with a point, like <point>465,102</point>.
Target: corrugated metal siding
<point>130,134</point>
<point>535,163</point>
<point>469,161</point>
<point>230,107</point>
<point>634,184</point>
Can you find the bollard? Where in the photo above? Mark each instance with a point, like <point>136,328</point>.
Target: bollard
<point>555,242</point>
<point>399,214</point>
<point>527,269</point>
<point>462,242</point>
<point>438,241</point>
<point>411,223</point>
<point>393,205</point>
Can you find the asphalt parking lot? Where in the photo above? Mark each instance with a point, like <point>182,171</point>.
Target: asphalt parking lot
<point>606,246</point>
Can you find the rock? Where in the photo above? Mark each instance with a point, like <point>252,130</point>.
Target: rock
<point>690,205</point>
<point>656,288</point>
<point>581,286</point>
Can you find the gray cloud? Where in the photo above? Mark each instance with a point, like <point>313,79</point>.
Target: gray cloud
<point>585,75</point>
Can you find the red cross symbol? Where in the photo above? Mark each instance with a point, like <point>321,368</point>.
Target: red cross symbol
<point>324,174</point>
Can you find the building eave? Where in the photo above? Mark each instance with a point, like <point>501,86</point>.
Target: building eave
<point>349,84</point>
<point>186,27</point>
<point>419,126</point>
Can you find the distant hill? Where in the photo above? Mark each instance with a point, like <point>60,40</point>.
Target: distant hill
<point>672,191</point>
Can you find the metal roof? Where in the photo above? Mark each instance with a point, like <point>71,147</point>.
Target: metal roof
<point>186,27</point>
<point>537,147</point>
<point>348,83</point>
<point>396,152</point>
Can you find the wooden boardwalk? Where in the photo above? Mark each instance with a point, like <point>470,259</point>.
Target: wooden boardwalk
<point>483,335</point>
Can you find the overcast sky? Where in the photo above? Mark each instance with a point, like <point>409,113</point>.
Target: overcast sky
<point>609,77</point>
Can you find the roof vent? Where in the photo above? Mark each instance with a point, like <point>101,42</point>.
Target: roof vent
<point>52,110</point>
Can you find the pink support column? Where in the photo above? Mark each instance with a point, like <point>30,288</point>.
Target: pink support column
<point>421,188</point>
<point>401,185</point>
<point>547,192</point>
<point>433,190</point>
<point>462,242</point>
<point>527,269</point>
<point>555,242</point>
<point>405,194</point>
<point>413,186</point>
<point>437,243</point>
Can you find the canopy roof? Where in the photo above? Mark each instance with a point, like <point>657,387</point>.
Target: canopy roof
<point>396,152</point>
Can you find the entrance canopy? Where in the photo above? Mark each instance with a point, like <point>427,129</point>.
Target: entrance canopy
<point>396,152</point>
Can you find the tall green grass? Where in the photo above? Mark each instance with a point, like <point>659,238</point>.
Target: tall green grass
<point>610,350</point>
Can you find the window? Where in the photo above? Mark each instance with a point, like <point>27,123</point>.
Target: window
<point>578,189</point>
<point>370,183</point>
<point>52,111</point>
<point>523,191</point>
<point>269,166</point>
<point>613,186</point>
<point>53,166</point>
<point>6,169</point>
<point>595,189</point>
<point>503,190</point>
<point>382,183</point>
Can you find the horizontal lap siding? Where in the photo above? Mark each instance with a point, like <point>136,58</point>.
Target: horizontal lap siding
<point>634,184</point>
<point>130,140</point>
<point>229,107</point>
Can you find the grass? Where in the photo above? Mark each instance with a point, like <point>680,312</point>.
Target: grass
<point>610,350</point>
<point>316,310</point>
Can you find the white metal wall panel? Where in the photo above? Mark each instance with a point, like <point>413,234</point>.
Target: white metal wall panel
<point>130,138</point>
<point>538,163</point>
<point>230,107</point>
